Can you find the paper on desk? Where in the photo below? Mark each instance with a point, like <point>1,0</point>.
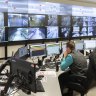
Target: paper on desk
<point>46,73</point>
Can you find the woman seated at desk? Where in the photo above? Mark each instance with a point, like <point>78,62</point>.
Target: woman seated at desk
<point>75,61</point>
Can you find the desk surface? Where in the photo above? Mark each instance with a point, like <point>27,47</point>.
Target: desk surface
<point>49,82</point>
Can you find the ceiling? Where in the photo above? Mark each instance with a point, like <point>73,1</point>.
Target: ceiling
<point>91,1</point>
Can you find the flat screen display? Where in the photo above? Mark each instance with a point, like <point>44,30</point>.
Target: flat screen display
<point>52,32</point>
<point>37,20</point>
<point>65,31</point>
<point>17,34</point>
<point>92,31</point>
<point>17,20</point>
<point>1,20</point>
<point>90,44</point>
<point>79,21</point>
<point>92,23</point>
<point>79,45</point>
<point>64,46</point>
<point>65,21</point>
<point>36,33</point>
<point>21,52</point>
<point>52,20</point>
<point>2,34</point>
<point>37,50</point>
<point>53,49</point>
<point>80,31</point>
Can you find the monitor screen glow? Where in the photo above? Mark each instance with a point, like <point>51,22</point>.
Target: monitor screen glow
<point>17,34</point>
<point>17,20</point>
<point>37,50</point>
<point>52,32</point>
<point>36,33</point>
<point>37,20</point>
<point>90,44</point>
<point>53,49</point>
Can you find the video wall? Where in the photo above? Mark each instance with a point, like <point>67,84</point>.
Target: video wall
<point>83,26</point>
<point>34,20</point>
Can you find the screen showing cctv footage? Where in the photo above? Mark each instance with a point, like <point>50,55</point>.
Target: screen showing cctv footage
<point>79,21</point>
<point>52,20</point>
<point>37,20</point>
<point>2,34</point>
<point>92,31</point>
<point>17,34</point>
<point>17,20</point>
<point>1,20</point>
<point>65,32</point>
<point>65,20</point>
<point>36,33</point>
<point>52,32</point>
<point>80,31</point>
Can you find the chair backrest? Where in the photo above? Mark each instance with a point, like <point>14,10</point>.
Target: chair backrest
<point>91,72</point>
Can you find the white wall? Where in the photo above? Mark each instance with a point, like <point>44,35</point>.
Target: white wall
<point>74,2</point>
<point>13,49</point>
<point>2,52</point>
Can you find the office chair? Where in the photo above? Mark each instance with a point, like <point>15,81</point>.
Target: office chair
<point>81,83</point>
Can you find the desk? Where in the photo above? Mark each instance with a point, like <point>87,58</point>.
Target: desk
<point>49,82</point>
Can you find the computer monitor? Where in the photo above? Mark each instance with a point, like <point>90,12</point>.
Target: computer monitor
<point>79,45</point>
<point>21,52</point>
<point>53,49</point>
<point>89,44</point>
<point>37,50</point>
<point>63,46</point>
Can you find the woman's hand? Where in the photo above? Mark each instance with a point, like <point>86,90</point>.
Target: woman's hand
<point>65,54</point>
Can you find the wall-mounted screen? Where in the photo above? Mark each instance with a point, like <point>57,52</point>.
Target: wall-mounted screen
<point>17,20</point>
<point>2,34</point>
<point>37,20</point>
<point>52,32</point>
<point>79,21</point>
<point>92,31</point>
<point>92,23</point>
<point>65,20</point>
<point>36,33</point>
<point>17,34</point>
<point>79,31</point>
<point>52,20</point>
<point>1,20</point>
<point>65,31</point>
